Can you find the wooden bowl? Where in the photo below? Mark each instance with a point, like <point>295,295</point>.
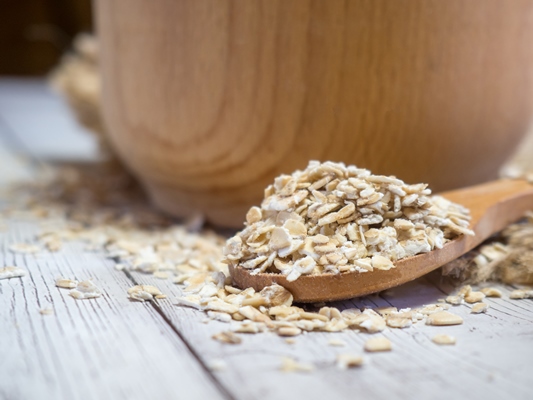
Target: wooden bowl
<point>208,101</point>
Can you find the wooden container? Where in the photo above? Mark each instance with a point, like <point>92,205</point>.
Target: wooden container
<point>207,101</point>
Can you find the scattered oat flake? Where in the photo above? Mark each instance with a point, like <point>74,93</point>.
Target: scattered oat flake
<point>337,342</point>
<point>290,341</point>
<point>85,290</point>
<point>120,267</point>
<point>290,365</point>
<point>24,248</point>
<point>443,339</point>
<point>250,327</point>
<point>289,331</point>
<point>474,297</point>
<point>66,283</point>
<point>217,365</point>
<point>219,316</point>
<point>12,272</point>
<point>143,292</point>
<point>227,337</point>
<point>378,344</point>
<point>46,311</point>
<point>479,308</point>
<point>181,301</point>
<point>465,290</point>
<point>491,292</point>
<point>521,294</point>
<point>161,275</point>
<point>345,361</point>
<point>455,300</point>
<point>443,318</point>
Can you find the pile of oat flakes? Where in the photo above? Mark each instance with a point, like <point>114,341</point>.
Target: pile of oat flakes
<point>112,215</point>
<point>333,218</point>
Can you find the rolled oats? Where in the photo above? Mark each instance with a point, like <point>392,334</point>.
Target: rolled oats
<point>143,292</point>
<point>85,290</point>
<point>291,365</point>
<point>479,308</point>
<point>491,292</point>
<point>66,283</point>
<point>12,272</point>
<point>474,297</point>
<point>289,331</point>
<point>46,311</point>
<point>347,360</point>
<point>217,365</point>
<point>443,318</point>
<point>227,337</point>
<point>455,300</point>
<point>378,344</point>
<point>521,294</point>
<point>332,218</point>
<point>24,248</point>
<point>337,342</point>
<point>443,339</point>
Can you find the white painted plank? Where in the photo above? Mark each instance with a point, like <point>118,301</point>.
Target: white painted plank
<point>43,123</point>
<point>107,347</point>
<point>492,358</point>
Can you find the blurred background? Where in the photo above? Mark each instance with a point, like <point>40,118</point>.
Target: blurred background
<point>35,33</point>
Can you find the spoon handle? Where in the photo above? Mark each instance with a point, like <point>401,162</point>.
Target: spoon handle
<point>493,206</point>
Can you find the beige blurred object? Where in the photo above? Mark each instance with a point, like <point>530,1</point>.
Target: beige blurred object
<point>206,102</point>
<point>77,78</point>
<point>520,165</point>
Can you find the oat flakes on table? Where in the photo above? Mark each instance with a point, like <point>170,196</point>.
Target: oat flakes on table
<point>333,218</point>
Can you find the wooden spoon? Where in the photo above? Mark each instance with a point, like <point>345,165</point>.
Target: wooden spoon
<point>492,205</point>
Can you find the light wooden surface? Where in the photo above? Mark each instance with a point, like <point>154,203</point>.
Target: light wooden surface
<point>113,348</point>
<point>226,95</point>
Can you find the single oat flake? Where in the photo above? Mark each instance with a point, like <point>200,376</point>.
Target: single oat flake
<point>85,290</point>
<point>337,342</point>
<point>227,337</point>
<point>12,272</point>
<point>290,365</point>
<point>333,218</point>
<point>479,308</point>
<point>144,292</point>
<point>347,360</point>
<point>66,283</point>
<point>443,339</point>
<point>521,294</point>
<point>217,365</point>
<point>443,318</point>
<point>378,344</point>
<point>491,292</point>
<point>24,248</point>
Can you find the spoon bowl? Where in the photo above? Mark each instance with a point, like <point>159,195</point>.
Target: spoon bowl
<point>492,205</point>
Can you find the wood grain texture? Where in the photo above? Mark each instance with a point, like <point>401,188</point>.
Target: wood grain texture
<point>490,360</point>
<point>109,347</point>
<point>208,101</point>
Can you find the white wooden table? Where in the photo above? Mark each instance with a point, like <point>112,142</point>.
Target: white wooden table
<point>112,348</point>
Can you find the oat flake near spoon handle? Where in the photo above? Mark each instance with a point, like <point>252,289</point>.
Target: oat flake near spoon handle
<point>492,205</point>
